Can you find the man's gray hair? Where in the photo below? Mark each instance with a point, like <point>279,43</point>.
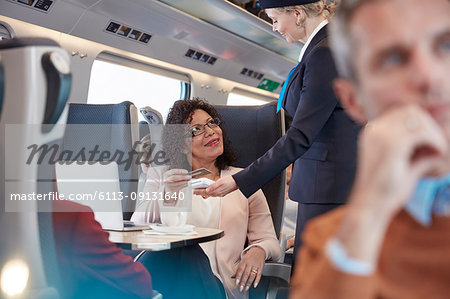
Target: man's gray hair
<point>342,44</point>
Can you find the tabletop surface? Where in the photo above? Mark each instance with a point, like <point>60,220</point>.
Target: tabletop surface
<point>138,240</point>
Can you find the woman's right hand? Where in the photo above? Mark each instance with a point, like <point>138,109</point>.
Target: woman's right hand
<point>175,179</point>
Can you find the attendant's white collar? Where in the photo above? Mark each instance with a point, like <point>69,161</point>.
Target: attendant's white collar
<point>320,26</point>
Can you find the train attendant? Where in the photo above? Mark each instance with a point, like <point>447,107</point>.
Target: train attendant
<point>321,141</point>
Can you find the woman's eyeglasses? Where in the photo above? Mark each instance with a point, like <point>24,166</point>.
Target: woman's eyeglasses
<point>197,130</point>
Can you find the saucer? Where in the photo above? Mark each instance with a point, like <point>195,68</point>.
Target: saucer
<point>172,229</point>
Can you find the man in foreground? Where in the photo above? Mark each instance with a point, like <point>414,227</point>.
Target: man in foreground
<point>393,238</point>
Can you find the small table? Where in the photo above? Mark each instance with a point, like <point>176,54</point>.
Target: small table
<point>137,240</point>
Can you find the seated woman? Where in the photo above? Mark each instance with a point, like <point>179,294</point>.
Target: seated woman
<point>240,218</point>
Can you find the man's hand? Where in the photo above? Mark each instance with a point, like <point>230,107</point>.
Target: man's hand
<point>395,151</point>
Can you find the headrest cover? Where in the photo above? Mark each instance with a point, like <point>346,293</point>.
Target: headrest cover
<point>282,3</point>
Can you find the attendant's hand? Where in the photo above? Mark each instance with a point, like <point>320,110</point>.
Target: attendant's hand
<point>175,179</point>
<point>222,187</point>
<point>395,151</point>
<point>250,268</point>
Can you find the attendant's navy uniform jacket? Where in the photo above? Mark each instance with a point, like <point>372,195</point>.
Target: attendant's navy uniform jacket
<point>321,140</point>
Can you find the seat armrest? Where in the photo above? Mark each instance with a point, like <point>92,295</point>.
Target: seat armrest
<point>278,270</point>
<point>283,242</point>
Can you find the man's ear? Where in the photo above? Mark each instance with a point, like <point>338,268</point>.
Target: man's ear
<point>345,91</point>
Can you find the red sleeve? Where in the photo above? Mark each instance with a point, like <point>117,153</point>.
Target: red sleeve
<point>98,266</point>
<point>315,277</point>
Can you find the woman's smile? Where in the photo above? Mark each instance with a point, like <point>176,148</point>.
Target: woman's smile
<point>213,142</point>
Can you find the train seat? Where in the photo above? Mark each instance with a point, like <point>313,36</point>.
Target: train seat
<point>263,127</point>
<point>115,130</point>
<point>27,232</point>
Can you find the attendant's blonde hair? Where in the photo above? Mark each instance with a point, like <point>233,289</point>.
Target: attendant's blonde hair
<point>325,8</point>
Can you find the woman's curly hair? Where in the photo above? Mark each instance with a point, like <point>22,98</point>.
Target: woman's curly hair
<point>174,140</point>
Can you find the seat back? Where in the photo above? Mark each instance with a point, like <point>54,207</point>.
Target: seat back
<point>143,129</point>
<point>152,117</point>
<point>118,134</point>
<point>35,83</point>
<point>252,131</point>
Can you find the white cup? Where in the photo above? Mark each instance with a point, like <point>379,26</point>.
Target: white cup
<point>173,218</point>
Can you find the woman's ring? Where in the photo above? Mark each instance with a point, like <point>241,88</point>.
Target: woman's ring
<point>255,271</point>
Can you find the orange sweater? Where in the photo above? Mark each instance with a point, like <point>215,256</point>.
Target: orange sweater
<point>414,262</point>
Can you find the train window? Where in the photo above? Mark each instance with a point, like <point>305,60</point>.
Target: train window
<point>112,83</point>
<point>240,99</point>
